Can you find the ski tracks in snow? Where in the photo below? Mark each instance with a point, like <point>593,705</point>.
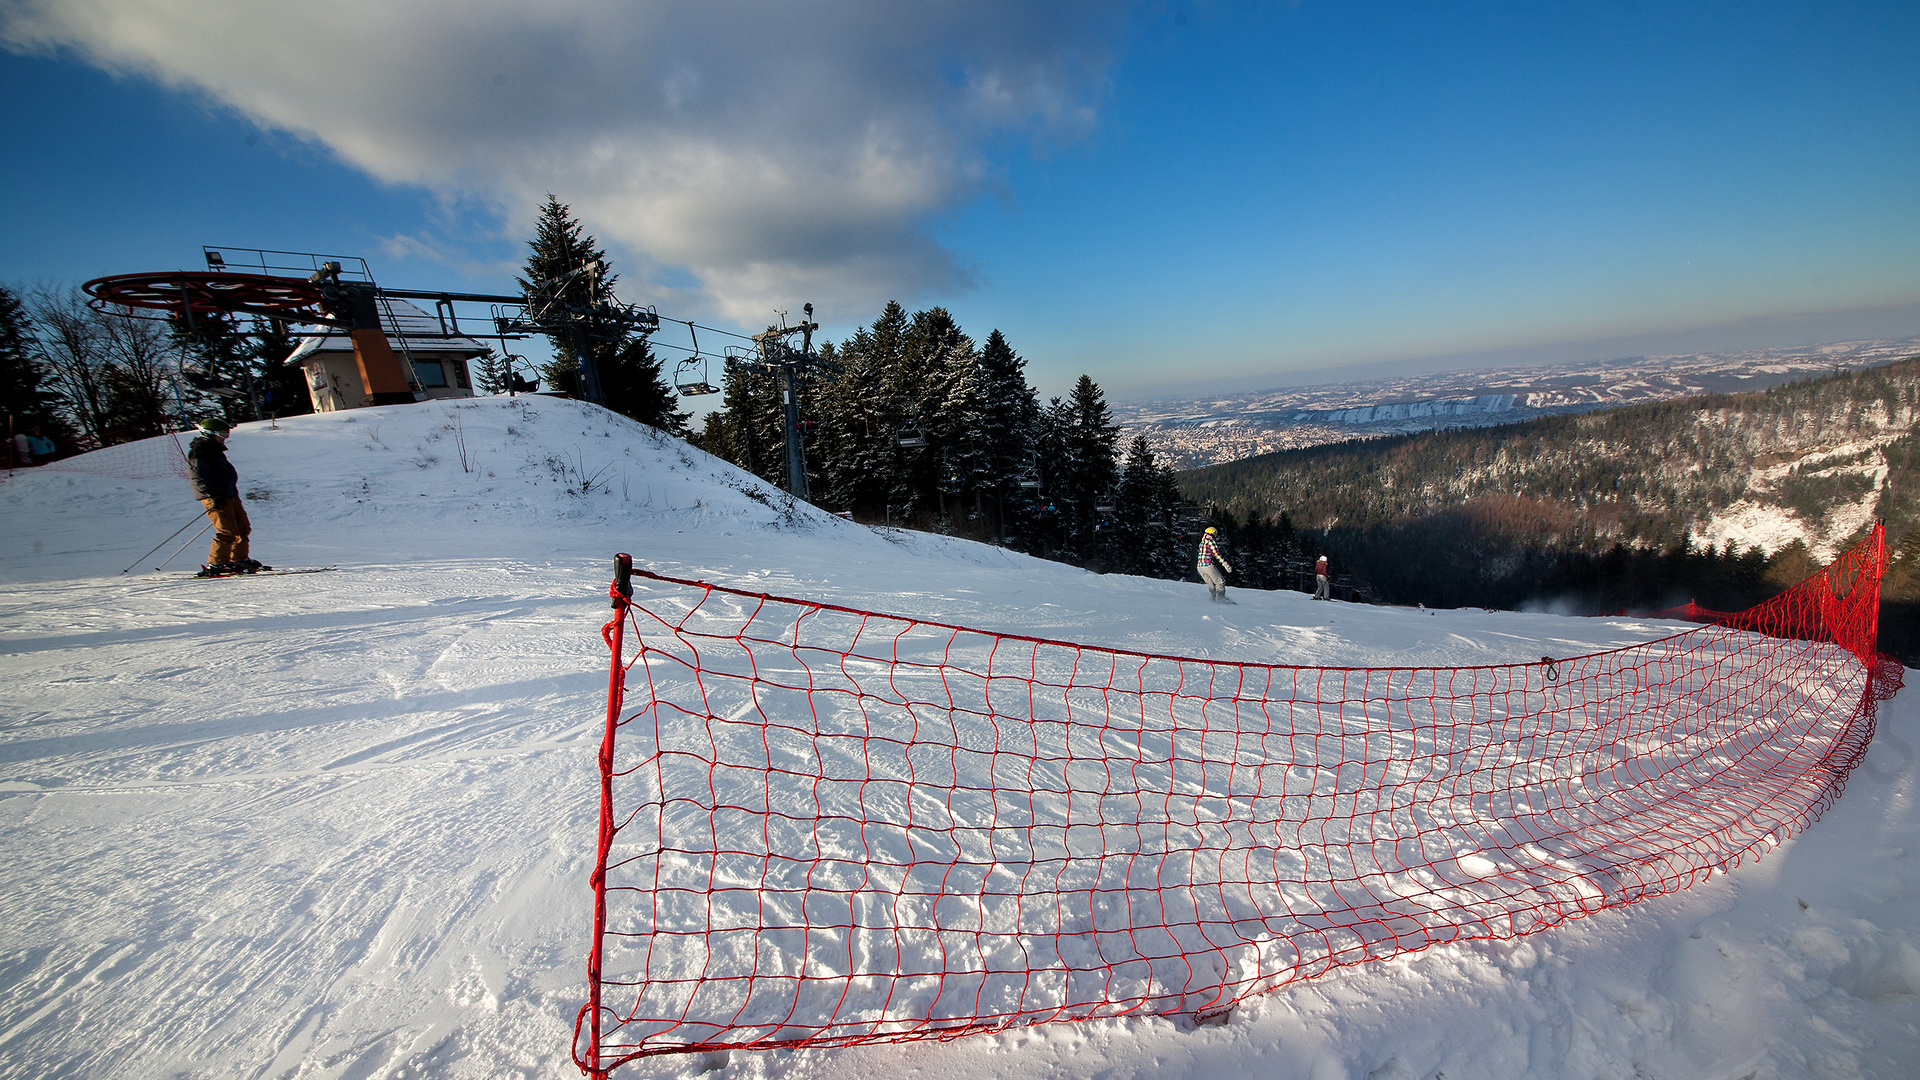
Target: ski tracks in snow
<point>388,801</point>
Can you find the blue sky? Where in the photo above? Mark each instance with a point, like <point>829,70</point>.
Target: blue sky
<point>1172,197</point>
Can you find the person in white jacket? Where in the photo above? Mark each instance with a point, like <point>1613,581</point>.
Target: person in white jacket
<point>1209,573</point>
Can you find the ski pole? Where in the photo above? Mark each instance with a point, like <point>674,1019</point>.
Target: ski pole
<point>163,543</point>
<point>183,547</point>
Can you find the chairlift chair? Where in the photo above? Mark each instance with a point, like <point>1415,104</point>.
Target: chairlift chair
<point>690,376</point>
<point>910,438</point>
<point>1030,475</point>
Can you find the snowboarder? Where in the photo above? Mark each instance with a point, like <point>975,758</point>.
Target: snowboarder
<point>217,486</point>
<point>1209,573</point>
<point>1320,579</point>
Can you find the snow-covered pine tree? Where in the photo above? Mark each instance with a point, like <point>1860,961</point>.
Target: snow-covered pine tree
<point>749,431</point>
<point>933,365</point>
<point>859,417</point>
<point>566,274</point>
<point>1141,538</point>
<point>1084,472</point>
<point>998,411</point>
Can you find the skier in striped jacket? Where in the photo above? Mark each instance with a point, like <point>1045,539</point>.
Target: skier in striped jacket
<point>1209,573</point>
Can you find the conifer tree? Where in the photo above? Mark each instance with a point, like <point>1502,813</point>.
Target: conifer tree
<point>565,276</point>
<point>23,397</point>
<point>934,364</point>
<point>1141,539</point>
<point>998,411</point>
<point>749,434</point>
<point>283,386</point>
<point>219,366</point>
<point>634,386</point>
<point>490,373</point>
<point>1082,435</point>
<point>861,415</point>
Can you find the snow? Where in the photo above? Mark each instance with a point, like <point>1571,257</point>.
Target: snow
<point>339,825</point>
<point>1773,528</point>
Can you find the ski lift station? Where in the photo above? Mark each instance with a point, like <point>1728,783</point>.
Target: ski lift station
<point>434,360</point>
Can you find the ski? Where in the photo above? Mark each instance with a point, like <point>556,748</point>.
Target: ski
<point>266,573</point>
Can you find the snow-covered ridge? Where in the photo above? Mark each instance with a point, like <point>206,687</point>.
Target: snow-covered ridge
<point>338,826</point>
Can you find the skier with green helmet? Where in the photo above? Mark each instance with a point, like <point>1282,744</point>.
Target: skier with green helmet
<point>217,485</point>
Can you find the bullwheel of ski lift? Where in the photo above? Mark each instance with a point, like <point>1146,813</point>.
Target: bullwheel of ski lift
<point>184,294</point>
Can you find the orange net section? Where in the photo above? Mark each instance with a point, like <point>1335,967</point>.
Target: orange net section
<point>825,826</point>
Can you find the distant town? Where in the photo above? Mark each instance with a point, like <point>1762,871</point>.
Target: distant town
<point>1190,433</point>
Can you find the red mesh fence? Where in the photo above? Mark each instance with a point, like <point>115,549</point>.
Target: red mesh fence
<point>824,826</point>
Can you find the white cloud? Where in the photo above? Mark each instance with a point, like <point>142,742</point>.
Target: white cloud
<point>776,151</point>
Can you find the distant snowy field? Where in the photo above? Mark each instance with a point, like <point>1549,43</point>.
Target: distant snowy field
<point>340,825</point>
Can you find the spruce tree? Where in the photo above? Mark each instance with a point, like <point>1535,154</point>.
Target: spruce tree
<point>998,411</point>
<point>490,373</point>
<point>1084,472</point>
<point>284,389</point>
<point>565,277</point>
<point>1142,537</point>
<point>23,397</point>
<point>633,384</point>
<point>861,415</point>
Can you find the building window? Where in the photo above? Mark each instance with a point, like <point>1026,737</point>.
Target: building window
<point>430,372</point>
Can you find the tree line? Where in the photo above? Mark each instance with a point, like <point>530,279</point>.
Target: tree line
<point>911,422</point>
<point>1601,512</point>
<point>86,377</point>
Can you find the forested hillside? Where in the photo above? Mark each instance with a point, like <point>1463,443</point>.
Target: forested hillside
<point>1722,498</point>
<point>910,422</point>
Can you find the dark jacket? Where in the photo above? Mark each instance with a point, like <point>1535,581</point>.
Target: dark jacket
<point>213,475</point>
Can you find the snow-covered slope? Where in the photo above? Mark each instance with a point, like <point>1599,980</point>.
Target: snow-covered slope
<point>339,825</point>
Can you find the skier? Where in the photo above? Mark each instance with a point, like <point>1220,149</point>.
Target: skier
<point>217,486</point>
<point>1209,573</point>
<point>1320,579</point>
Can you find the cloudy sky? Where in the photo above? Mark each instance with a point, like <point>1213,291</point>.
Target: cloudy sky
<point>1173,195</point>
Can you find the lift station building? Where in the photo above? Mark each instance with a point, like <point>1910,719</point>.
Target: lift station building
<point>434,360</point>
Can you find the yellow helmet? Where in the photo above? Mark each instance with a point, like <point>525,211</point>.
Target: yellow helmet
<point>1209,530</point>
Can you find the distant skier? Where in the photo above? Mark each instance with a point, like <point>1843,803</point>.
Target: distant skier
<point>1209,573</point>
<point>217,485</point>
<point>1320,579</point>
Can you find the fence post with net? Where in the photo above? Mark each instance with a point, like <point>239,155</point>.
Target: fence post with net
<point>621,592</point>
<point>825,826</point>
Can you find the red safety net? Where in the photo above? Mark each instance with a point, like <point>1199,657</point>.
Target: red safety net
<point>825,826</point>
